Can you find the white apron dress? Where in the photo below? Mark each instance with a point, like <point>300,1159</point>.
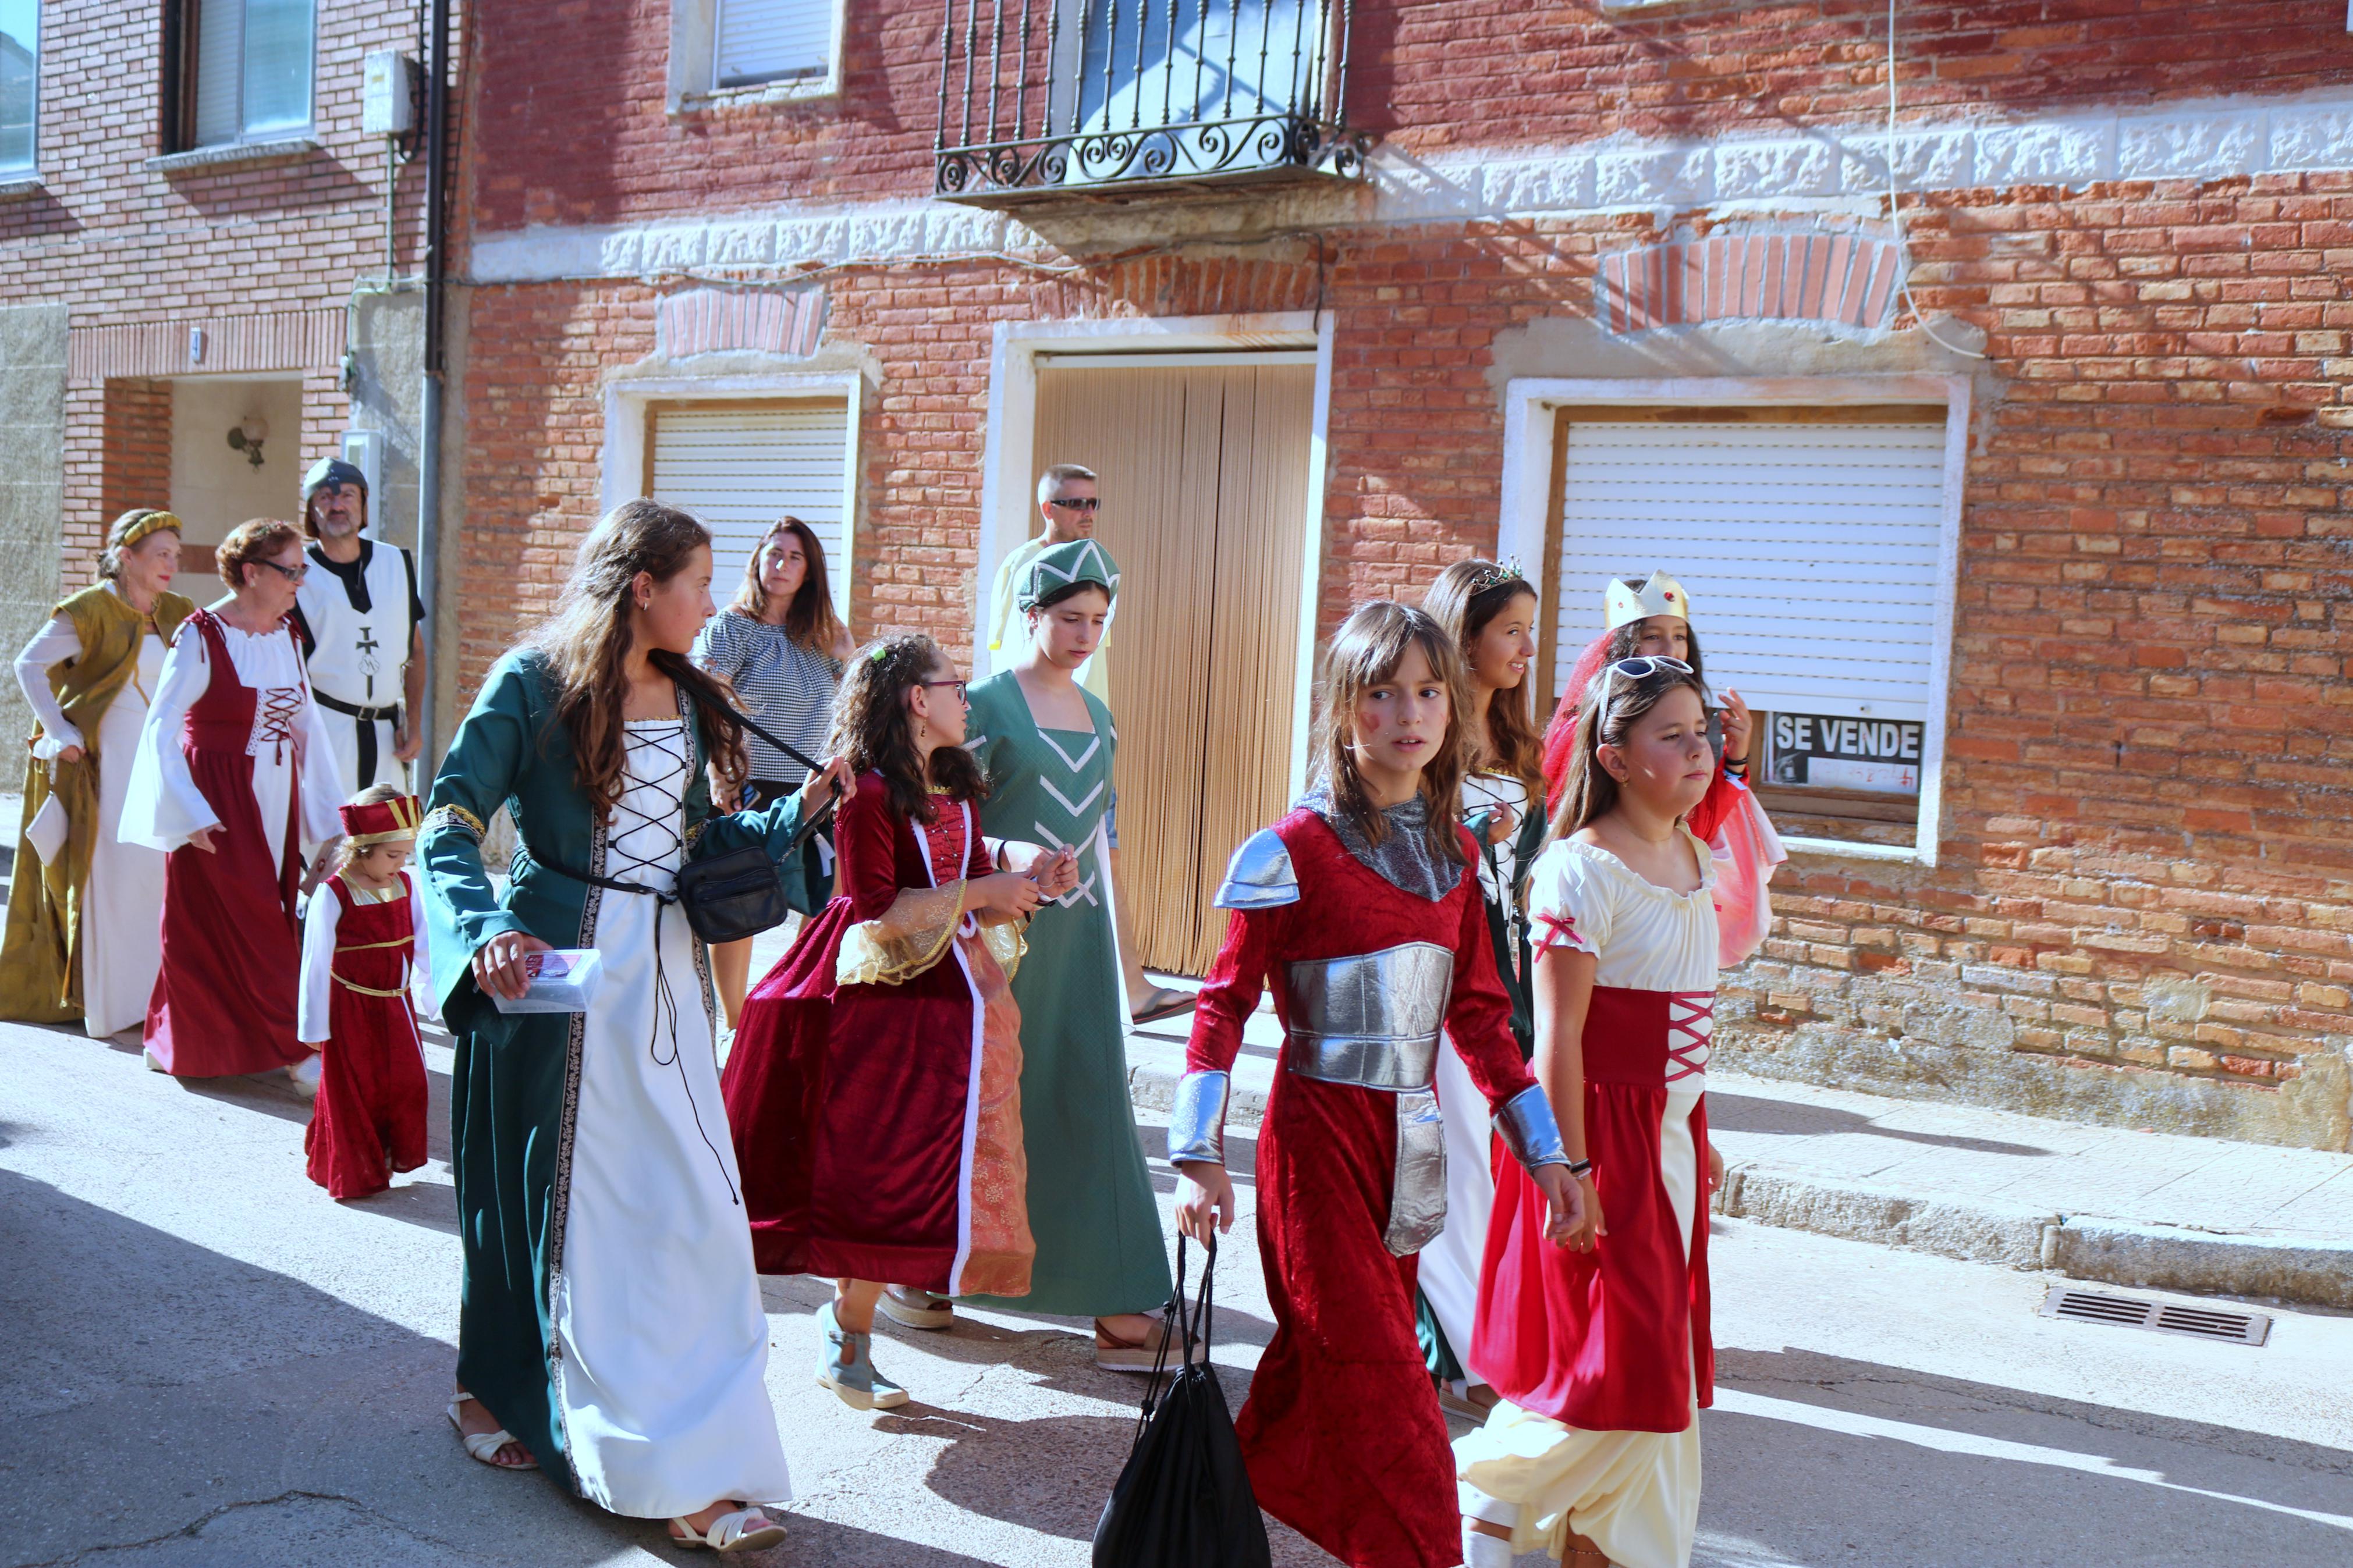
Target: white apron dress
<point>122,902</point>
<point>1449,1263</point>
<point>664,1344</point>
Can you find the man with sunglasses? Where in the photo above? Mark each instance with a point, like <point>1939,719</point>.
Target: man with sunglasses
<point>1067,504</point>
<point>362,631</point>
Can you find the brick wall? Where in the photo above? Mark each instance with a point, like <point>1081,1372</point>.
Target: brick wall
<point>1427,74</point>
<point>136,446</point>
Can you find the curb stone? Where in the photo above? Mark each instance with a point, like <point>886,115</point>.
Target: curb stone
<point>2081,1247</point>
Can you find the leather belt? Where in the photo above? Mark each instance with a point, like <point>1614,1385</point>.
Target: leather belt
<point>370,715</point>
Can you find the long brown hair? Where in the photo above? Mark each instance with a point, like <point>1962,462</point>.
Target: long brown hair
<point>875,733</point>
<point>586,645</point>
<point>809,619</point>
<point>1587,792</point>
<point>1465,600</point>
<point>1364,653</point>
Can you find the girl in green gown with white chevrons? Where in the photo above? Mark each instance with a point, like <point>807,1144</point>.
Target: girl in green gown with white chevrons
<point>1045,746</point>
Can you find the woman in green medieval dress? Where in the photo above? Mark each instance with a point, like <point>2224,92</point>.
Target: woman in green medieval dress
<point>1046,746</point>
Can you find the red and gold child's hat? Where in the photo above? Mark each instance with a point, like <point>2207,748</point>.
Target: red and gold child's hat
<point>380,822</point>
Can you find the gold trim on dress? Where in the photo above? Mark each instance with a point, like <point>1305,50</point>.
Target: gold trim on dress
<point>905,941</point>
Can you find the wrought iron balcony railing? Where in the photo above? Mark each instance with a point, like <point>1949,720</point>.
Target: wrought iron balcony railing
<point>1042,98</point>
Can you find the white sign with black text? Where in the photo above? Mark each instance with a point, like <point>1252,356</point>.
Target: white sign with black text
<point>1845,754</point>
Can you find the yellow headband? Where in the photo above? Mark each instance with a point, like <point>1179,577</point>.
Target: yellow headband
<point>153,522</point>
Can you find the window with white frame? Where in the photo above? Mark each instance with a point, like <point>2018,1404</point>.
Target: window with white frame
<point>20,86</point>
<point>245,70</point>
<point>739,467</point>
<point>759,41</point>
<point>1811,543</point>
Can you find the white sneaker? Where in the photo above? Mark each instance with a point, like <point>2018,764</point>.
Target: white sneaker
<point>154,1063</point>
<point>305,1075</point>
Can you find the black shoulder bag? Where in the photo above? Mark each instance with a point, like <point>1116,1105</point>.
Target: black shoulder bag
<point>1184,1500</point>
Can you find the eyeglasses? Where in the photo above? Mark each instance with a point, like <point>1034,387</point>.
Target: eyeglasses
<point>1079,503</point>
<point>957,684</point>
<point>1644,666</point>
<point>291,573</point>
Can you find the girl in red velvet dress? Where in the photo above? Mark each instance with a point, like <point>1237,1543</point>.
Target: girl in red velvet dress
<point>360,955</point>
<point>874,1088</point>
<point>1362,911</point>
<point>1601,1352</point>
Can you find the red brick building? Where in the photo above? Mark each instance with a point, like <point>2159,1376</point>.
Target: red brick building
<point>2024,521</point>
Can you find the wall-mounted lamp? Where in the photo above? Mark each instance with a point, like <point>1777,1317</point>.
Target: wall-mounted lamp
<point>247,434</point>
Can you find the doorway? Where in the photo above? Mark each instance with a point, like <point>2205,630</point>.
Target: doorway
<point>1203,463</point>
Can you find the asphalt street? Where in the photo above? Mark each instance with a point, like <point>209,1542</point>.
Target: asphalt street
<point>213,1363</point>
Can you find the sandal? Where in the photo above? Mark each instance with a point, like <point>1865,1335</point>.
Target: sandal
<point>1115,1354</point>
<point>730,1533</point>
<point>1165,1001</point>
<point>483,1447</point>
<point>913,1309</point>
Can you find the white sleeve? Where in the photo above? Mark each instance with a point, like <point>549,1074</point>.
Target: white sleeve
<point>322,787</point>
<point>313,1010</point>
<point>420,973</point>
<point>53,644</point>
<point>164,808</point>
<point>1569,902</point>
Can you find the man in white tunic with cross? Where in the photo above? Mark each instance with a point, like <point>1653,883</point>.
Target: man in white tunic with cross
<point>363,629</point>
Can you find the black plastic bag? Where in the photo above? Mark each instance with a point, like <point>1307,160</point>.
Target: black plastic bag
<point>1184,1500</point>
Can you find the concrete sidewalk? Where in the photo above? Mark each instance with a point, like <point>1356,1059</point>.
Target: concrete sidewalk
<point>2159,1210</point>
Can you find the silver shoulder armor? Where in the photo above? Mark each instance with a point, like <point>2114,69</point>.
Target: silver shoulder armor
<point>1260,876</point>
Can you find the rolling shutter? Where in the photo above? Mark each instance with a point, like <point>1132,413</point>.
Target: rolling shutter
<point>739,468</point>
<point>767,40</point>
<point>1810,547</point>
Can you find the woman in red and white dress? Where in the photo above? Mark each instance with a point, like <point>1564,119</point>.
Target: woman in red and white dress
<point>1601,1352</point>
<point>235,781</point>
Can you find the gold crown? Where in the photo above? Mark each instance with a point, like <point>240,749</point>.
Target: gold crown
<point>1624,602</point>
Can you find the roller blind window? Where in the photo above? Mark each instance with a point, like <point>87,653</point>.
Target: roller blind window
<point>20,83</point>
<point>739,469</point>
<point>1811,547</point>
<point>252,69</point>
<point>773,40</point>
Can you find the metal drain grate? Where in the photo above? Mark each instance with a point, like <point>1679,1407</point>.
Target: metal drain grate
<point>2164,1317</point>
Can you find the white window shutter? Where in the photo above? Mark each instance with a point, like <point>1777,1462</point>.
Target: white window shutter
<point>1810,550</point>
<point>739,470</point>
<point>220,73</point>
<point>766,40</point>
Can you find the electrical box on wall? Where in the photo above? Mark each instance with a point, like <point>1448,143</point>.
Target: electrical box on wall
<point>363,449</point>
<point>388,98</point>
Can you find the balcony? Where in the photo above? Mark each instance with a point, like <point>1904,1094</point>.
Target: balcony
<point>1055,99</point>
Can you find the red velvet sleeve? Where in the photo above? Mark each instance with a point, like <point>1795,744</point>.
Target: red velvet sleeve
<point>1229,995</point>
<point>1717,803</point>
<point>1478,1015</point>
<point>866,840</point>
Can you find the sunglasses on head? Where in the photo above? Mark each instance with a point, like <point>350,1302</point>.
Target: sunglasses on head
<point>1077,503</point>
<point>1642,666</point>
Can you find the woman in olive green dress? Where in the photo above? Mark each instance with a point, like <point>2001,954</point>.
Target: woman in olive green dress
<point>1046,744</point>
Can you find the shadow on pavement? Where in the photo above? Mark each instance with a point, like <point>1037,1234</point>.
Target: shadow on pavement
<point>157,1391</point>
<point>1748,1113</point>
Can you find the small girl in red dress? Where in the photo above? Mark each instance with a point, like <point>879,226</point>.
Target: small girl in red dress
<point>360,955</point>
<point>1601,1352</point>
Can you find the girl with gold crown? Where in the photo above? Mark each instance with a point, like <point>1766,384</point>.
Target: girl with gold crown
<point>1651,617</point>
<point>360,955</point>
<point>85,907</point>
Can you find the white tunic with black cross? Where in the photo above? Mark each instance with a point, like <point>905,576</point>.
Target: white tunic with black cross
<point>356,618</point>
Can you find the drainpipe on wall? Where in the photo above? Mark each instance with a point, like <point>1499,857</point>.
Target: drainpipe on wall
<point>428,447</point>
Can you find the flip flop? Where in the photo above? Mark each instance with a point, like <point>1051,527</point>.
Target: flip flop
<point>1167,1002</point>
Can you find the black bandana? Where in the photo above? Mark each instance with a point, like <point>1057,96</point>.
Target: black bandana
<point>1404,858</point>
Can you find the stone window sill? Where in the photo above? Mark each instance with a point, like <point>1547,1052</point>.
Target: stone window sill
<point>233,153</point>
<point>792,89</point>
<point>20,185</point>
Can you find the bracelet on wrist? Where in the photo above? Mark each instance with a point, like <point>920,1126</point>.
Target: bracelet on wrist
<point>1580,1167</point>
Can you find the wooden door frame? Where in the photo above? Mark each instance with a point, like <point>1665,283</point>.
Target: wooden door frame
<point>1008,483</point>
<point>1529,528</point>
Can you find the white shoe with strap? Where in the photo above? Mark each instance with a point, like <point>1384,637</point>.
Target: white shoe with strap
<point>483,1447</point>
<point>746,1530</point>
